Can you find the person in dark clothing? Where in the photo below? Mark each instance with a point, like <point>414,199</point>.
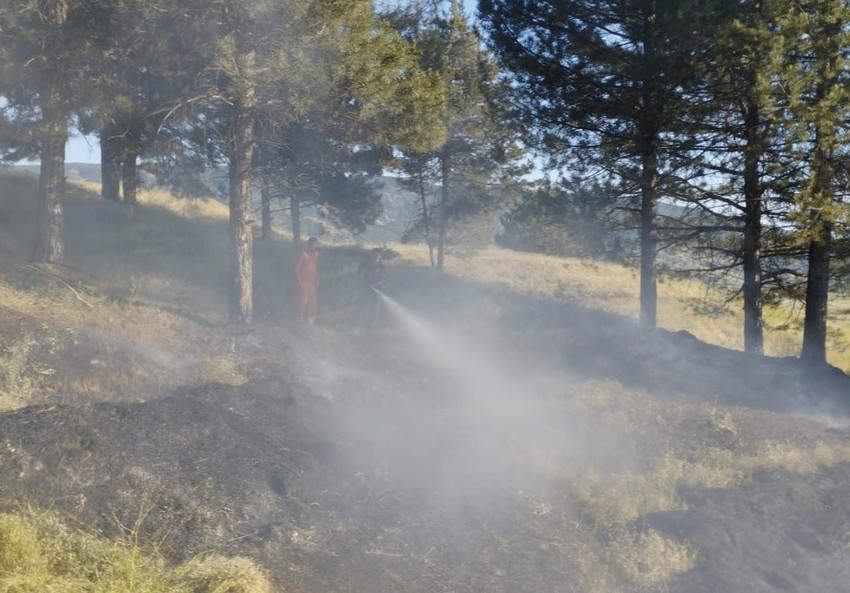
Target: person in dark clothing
<point>370,274</point>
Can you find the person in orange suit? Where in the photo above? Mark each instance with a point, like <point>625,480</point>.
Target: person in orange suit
<point>307,273</point>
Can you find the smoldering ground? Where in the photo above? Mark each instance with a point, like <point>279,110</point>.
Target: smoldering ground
<point>460,415</point>
<point>523,446</point>
<point>490,448</point>
<point>532,447</point>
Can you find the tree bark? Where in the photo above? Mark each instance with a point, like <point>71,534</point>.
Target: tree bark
<point>426,218</point>
<point>266,210</point>
<point>753,330</point>
<point>817,286</point>
<point>649,240</point>
<point>648,126</point>
<point>130,174</point>
<point>443,210</point>
<point>241,217</point>
<point>49,245</point>
<point>295,218</point>
<point>823,196</point>
<point>817,293</point>
<point>110,165</point>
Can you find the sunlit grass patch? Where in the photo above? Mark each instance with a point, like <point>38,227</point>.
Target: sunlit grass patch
<point>20,374</point>
<point>102,345</point>
<point>230,369</point>
<point>182,206</point>
<point>713,452</point>
<point>185,207</point>
<point>607,286</point>
<point>683,304</point>
<point>612,500</point>
<point>604,558</point>
<point>218,574</point>
<point>38,552</point>
<point>649,558</point>
<point>626,409</point>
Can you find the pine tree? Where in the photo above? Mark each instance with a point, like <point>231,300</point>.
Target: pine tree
<point>145,71</point>
<point>269,67</point>
<point>816,70</point>
<point>473,169</point>
<point>734,172</point>
<point>46,47</point>
<point>605,85</point>
<point>374,96</point>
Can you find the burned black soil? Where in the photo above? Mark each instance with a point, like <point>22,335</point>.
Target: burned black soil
<point>375,463</point>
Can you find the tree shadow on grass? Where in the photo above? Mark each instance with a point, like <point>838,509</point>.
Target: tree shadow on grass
<point>600,345</point>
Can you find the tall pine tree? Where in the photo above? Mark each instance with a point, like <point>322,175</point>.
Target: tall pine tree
<point>481,157</point>
<point>46,51</point>
<point>816,74</point>
<point>605,83</point>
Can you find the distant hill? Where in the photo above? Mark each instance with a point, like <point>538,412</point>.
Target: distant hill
<point>83,171</point>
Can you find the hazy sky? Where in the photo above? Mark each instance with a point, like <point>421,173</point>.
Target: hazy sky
<point>83,150</point>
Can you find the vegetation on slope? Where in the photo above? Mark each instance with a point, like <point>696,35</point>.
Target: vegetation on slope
<point>622,469</point>
<point>39,552</point>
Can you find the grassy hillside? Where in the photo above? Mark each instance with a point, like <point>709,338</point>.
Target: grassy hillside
<point>511,429</point>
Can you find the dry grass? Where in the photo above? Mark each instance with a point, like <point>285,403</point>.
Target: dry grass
<point>19,375</point>
<point>140,309</point>
<point>682,305</point>
<point>38,552</point>
<point>619,499</point>
<point>669,462</point>
<point>184,207</point>
<point>649,558</point>
<point>606,509</point>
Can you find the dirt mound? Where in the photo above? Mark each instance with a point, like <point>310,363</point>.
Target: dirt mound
<point>207,466</point>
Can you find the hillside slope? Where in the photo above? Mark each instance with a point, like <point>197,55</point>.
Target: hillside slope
<point>480,440</point>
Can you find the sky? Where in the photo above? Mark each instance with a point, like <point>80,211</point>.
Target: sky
<point>83,149</point>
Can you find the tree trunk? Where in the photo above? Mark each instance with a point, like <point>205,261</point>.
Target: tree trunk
<point>817,287</point>
<point>817,297</point>
<point>295,217</point>
<point>823,197</point>
<point>426,217</point>
<point>753,330</point>
<point>49,246</point>
<point>241,217</point>
<point>442,213</point>
<point>649,240</point>
<point>54,120</point>
<point>266,210</point>
<point>648,127</point>
<point>130,174</point>
<point>110,165</point>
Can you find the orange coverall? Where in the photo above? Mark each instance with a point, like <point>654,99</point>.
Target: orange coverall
<point>306,270</point>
